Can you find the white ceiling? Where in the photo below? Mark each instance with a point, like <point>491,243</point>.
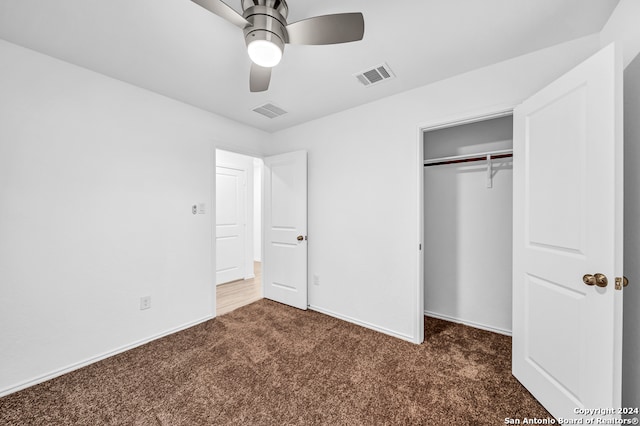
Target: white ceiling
<point>178,49</point>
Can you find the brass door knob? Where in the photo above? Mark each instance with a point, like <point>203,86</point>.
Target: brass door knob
<point>300,238</point>
<point>598,279</point>
<point>625,282</point>
<point>601,280</point>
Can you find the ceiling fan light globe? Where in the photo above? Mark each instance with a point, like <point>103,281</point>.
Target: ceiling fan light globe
<point>264,53</point>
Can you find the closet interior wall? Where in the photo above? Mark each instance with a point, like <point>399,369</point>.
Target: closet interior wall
<point>468,226</point>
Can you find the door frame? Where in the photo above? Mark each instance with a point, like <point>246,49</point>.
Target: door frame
<point>212,179</point>
<point>482,114</point>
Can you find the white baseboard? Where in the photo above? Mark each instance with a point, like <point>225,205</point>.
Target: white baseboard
<point>88,361</point>
<point>469,323</point>
<point>364,324</point>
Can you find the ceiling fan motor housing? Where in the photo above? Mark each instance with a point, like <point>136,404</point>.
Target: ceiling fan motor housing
<point>268,19</point>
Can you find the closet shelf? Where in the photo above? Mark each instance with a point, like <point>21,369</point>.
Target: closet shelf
<point>483,156</point>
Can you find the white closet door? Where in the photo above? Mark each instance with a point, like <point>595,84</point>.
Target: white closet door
<point>567,335</point>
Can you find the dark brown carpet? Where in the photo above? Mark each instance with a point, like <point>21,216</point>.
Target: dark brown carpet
<point>268,364</point>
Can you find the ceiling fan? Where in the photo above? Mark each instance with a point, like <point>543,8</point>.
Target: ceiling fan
<point>266,31</point>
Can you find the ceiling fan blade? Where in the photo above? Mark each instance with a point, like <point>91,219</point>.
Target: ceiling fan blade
<point>327,29</point>
<point>259,78</point>
<point>224,11</point>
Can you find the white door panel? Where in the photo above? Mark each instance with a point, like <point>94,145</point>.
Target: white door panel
<point>567,223</point>
<point>285,221</point>
<point>230,224</point>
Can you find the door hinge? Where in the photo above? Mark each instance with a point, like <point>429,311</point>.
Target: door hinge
<point>420,246</point>
<point>621,282</point>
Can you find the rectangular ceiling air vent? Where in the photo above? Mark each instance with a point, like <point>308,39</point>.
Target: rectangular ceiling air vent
<point>270,110</point>
<point>375,75</point>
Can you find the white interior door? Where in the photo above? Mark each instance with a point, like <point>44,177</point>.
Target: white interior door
<point>567,336</point>
<point>285,229</point>
<point>230,224</point>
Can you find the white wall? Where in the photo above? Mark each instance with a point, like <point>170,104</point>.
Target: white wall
<point>242,162</point>
<point>622,28</point>
<point>364,192</point>
<point>631,340</point>
<point>97,180</point>
<point>468,227</point>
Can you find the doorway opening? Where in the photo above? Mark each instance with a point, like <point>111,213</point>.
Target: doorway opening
<point>467,214</point>
<point>238,230</point>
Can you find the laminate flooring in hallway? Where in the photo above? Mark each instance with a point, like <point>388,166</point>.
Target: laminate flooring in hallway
<point>230,296</point>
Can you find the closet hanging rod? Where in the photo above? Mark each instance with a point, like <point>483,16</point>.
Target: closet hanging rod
<point>468,158</point>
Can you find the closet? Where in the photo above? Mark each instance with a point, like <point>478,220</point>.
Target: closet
<point>468,223</point>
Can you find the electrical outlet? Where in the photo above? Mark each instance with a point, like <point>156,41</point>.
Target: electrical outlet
<point>145,302</point>
<point>316,280</point>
